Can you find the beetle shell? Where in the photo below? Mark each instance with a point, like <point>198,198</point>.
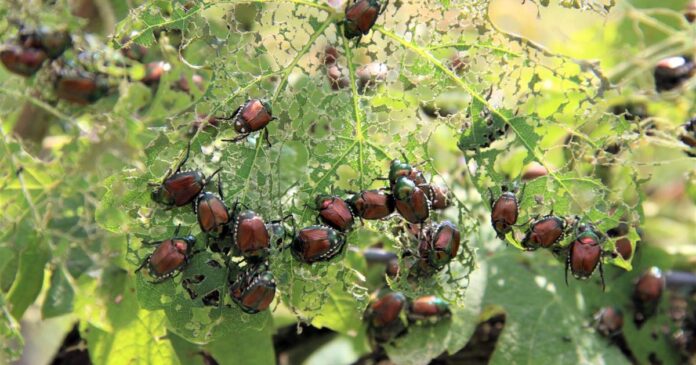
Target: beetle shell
<point>169,257</point>
<point>179,189</point>
<point>411,201</point>
<point>428,307</point>
<point>22,61</point>
<point>212,213</point>
<point>609,321</point>
<point>585,253</point>
<point>439,249</point>
<point>439,197</point>
<point>335,212</point>
<point>384,319</point>
<point>254,115</point>
<point>251,234</point>
<point>80,88</point>
<point>623,246</point>
<point>317,243</point>
<point>544,232</point>
<point>649,286</point>
<point>360,17</point>
<point>504,213</point>
<point>372,204</point>
<point>253,290</point>
<point>646,294</point>
<point>673,71</point>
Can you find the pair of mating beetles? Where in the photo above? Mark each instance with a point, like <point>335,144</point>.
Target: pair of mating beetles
<point>390,313</point>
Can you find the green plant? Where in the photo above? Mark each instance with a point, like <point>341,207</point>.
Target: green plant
<point>440,82</point>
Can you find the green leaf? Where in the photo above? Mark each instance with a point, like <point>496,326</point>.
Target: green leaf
<point>29,279</point>
<point>142,341</point>
<point>60,295</point>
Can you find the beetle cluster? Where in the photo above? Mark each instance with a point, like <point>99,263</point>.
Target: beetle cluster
<point>584,254</point>
<point>409,195</point>
<point>390,313</point>
<point>232,232</point>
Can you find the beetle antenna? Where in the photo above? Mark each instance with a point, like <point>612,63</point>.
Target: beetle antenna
<point>566,268</point>
<point>176,231</point>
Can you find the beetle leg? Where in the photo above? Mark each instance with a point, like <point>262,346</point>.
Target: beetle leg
<point>214,173</point>
<point>222,196</point>
<point>567,264</point>
<point>236,139</point>
<point>145,262</point>
<point>384,7</point>
<point>265,136</point>
<point>601,275</point>
<point>186,157</point>
<point>524,186</point>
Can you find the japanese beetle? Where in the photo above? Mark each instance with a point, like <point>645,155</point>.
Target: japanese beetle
<point>544,232</point>
<point>169,257</point>
<point>504,211</point>
<point>585,254</point>
<point>411,201</point>
<point>439,248</point>
<point>398,169</point>
<point>181,187</point>
<point>22,61</point>
<point>80,86</point>
<point>439,197</point>
<point>212,213</point>
<point>335,212</point>
<point>673,71</point>
<point>252,116</point>
<point>253,290</point>
<point>647,293</point>
<point>427,308</point>
<point>361,15</point>
<point>155,71</point>
<point>317,243</point>
<point>250,234</point>
<point>372,204</point>
<point>53,42</point>
<point>609,321</point>
<point>623,247</point>
<point>384,317</point>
